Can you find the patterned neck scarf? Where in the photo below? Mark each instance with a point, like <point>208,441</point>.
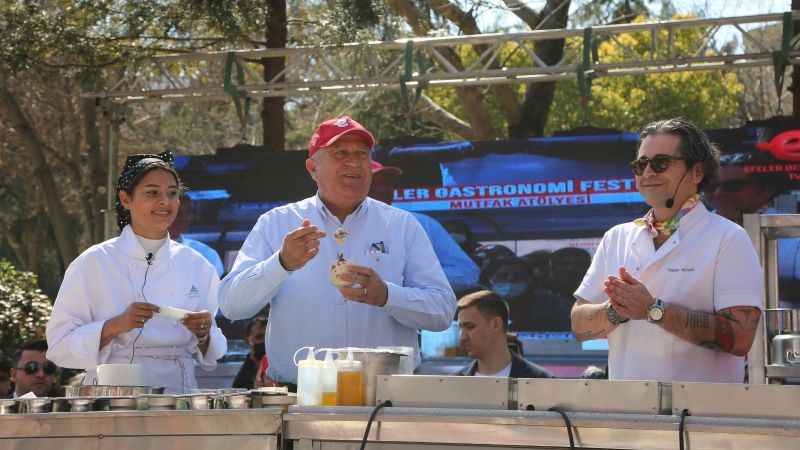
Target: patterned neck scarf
<point>135,168</point>
<point>667,227</point>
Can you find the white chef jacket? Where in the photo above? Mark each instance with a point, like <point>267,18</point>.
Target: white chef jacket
<point>104,280</point>
<point>307,310</point>
<point>708,264</point>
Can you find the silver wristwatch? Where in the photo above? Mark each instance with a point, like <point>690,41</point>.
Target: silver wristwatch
<point>656,311</point>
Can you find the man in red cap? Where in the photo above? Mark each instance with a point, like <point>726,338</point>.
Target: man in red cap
<point>388,288</point>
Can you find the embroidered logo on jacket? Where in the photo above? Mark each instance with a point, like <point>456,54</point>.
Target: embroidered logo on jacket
<point>193,292</point>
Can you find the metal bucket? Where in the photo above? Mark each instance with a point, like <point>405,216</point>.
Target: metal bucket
<point>374,362</point>
<point>782,321</point>
<point>8,406</point>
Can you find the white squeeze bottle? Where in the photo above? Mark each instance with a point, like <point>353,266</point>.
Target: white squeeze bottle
<point>309,379</point>
<point>328,379</point>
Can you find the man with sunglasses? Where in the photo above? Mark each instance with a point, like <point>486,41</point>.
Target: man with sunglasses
<point>678,291</point>
<point>32,371</point>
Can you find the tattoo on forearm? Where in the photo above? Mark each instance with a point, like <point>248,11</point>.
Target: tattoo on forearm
<point>724,334</point>
<point>697,319</point>
<point>591,334</point>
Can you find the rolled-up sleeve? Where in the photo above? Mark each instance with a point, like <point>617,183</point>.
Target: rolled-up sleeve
<point>256,276</point>
<point>738,277</point>
<point>425,300</point>
<point>591,287</point>
<point>73,336</point>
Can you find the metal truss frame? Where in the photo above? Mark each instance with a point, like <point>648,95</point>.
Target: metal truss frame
<point>424,62</point>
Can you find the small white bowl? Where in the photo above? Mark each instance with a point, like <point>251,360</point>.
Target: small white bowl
<point>170,312</point>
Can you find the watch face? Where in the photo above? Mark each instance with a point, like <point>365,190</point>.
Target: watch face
<point>655,314</point>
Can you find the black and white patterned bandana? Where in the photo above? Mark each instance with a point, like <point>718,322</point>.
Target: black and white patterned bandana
<point>135,167</point>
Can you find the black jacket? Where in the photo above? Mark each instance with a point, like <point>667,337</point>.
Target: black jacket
<point>520,368</point>
<point>246,378</point>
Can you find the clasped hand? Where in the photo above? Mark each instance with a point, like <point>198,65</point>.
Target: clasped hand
<point>629,297</point>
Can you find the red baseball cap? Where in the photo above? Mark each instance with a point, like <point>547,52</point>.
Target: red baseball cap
<point>378,167</point>
<point>331,130</point>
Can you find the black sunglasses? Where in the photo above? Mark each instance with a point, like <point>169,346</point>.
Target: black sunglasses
<point>31,367</point>
<point>658,163</point>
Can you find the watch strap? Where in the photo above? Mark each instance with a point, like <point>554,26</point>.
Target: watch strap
<point>613,316</point>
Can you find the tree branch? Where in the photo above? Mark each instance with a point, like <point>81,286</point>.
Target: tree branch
<point>433,112</point>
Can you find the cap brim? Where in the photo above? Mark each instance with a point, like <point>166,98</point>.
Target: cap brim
<point>364,134</point>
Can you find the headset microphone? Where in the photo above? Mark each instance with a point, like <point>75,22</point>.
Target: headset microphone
<point>671,201</point>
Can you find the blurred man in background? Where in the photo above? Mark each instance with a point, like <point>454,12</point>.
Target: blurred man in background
<point>33,372</point>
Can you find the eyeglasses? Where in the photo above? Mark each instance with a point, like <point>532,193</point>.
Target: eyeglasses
<point>658,163</point>
<point>31,367</point>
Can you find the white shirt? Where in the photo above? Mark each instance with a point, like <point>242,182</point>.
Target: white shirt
<point>104,280</point>
<point>307,310</point>
<point>708,264</point>
<point>504,372</point>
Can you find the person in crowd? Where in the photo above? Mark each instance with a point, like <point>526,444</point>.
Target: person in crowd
<point>677,292</point>
<point>463,235</point>
<point>568,265</point>
<point>390,286</point>
<point>514,344</point>
<point>256,331</point>
<point>460,270</point>
<point>33,372</point>
<point>488,257</point>
<point>181,224</point>
<point>6,387</point>
<point>482,319</point>
<point>531,308</point>
<point>107,309</point>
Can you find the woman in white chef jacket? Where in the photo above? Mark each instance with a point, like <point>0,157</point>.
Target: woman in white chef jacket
<point>107,307</point>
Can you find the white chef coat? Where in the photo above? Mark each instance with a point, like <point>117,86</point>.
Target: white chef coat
<point>708,264</point>
<point>307,310</point>
<point>104,280</point>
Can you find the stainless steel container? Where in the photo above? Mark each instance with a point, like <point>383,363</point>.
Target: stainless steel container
<point>262,400</point>
<point>60,404</point>
<point>99,390</point>
<point>80,404</point>
<point>124,403</point>
<point>786,349</point>
<point>237,401</point>
<point>160,402</point>
<point>782,321</point>
<point>8,406</point>
<point>35,405</point>
<point>200,401</point>
<point>374,362</point>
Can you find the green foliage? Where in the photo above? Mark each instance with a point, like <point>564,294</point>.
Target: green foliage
<point>708,98</point>
<point>24,310</point>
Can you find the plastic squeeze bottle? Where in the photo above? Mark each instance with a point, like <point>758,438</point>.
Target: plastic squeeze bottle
<point>329,374</point>
<point>349,382</point>
<point>309,379</point>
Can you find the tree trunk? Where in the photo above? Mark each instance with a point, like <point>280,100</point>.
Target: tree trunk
<point>97,162</point>
<point>539,96</point>
<point>65,236</point>
<point>272,113</point>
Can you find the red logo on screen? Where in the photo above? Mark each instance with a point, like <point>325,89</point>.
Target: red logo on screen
<point>784,146</point>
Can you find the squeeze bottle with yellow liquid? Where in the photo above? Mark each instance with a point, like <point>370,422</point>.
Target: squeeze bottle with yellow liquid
<point>349,382</point>
<point>329,374</point>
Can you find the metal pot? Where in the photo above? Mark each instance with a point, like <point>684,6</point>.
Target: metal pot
<point>782,321</point>
<point>786,349</point>
<point>200,401</point>
<point>127,403</point>
<point>160,402</point>
<point>8,406</point>
<point>36,405</point>
<point>80,404</point>
<point>60,404</point>
<point>237,401</point>
<point>266,400</point>
<point>374,362</point>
